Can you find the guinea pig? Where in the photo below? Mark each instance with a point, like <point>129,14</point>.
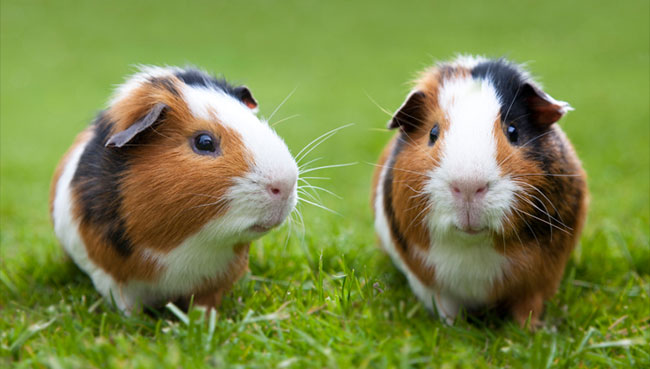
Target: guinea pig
<point>159,199</point>
<point>479,198</point>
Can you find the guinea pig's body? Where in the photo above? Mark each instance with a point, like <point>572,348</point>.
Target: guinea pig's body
<point>479,199</point>
<point>159,199</point>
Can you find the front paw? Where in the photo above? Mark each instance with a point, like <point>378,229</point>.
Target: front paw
<point>527,311</point>
<point>447,307</point>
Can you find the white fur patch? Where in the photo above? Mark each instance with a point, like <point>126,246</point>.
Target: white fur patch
<point>468,61</point>
<point>467,266</point>
<point>203,256</point>
<point>468,154</point>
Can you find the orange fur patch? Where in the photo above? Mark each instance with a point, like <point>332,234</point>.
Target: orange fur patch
<point>537,265</point>
<point>409,172</point>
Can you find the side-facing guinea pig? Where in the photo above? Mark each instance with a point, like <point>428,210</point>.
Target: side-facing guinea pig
<point>480,198</point>
<point>160,197</point>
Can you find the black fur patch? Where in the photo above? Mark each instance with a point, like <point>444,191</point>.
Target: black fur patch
<point>165,83</point>
<point>97,181</point>
<point>388,194</point>
<point>195,77</point>
<point>540,144</point>
<point>509,82</point>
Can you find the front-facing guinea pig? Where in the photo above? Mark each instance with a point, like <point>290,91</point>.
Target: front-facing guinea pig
<point>159,199</point>
<point>479,198</point>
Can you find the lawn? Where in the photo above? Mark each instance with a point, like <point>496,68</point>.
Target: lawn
<point>323,295</point>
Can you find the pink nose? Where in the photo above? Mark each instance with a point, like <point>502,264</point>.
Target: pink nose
<point>469,190</point>
<point>281,188</point>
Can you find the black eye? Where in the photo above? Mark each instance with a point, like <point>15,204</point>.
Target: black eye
<point>513,134</point>
<point>205,144</point>
<point>434,134</point>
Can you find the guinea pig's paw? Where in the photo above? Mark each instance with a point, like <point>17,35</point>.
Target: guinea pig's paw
<point>447,307</point>
<point>527,310</point>
<point>209,299</point>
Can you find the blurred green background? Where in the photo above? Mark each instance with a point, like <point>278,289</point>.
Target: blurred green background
<point>60,60</point>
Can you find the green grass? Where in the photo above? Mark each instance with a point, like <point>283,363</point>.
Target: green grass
<point>327,297</point>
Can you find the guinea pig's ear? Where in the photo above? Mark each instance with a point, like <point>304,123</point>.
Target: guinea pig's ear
<point>121,138</point>
<point>411,114</point>
<point>244,95</point>
<point>545,109</point>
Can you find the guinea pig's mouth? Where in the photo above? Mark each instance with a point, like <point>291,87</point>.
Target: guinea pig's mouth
<point>471,231</point>
<point>265,227</point>
<point>259,228</point>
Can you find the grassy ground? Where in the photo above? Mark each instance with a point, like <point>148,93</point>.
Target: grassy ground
<point>327,297</point>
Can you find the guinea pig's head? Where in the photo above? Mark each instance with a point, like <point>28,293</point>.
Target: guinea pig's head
<point>194,153</point>
<point>477,140</point>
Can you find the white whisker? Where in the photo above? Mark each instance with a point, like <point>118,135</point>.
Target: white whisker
<point>318,205</point>
<point>319,140</point>
<point>282,103</point>
<point>329,166</point>
<point>322,189</point>
<point>284,119</point>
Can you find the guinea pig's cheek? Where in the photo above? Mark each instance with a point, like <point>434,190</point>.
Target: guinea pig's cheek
<point>259,203</point>
<point>498,203</point>
<point>442,215</point>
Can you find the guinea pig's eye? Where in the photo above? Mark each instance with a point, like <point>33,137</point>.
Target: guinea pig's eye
<point>434,134</point>
<point>513,134</point>
<point>205,144</point>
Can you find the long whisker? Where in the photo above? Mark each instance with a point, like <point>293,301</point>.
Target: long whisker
<point>394,168</point>
<point>322,189</point>
<point>311,196</point>
<point>544,221</point>
<point>511,103</point>
<point>318,205</point>
<point>284,119</point>
<point>545,197</point>
<point>414,144</point>
<point>319,140</point>
<point>517,211</point>
<point>559,221</point>
<point>536,207</point>
<point>422,212</point>
<point>512,225</point>
<point>309,162</point>
<point>303,178</point>
<point>329,166</point>
<point>282,103</point>
<point>379,106</point>
<point>544,175</point>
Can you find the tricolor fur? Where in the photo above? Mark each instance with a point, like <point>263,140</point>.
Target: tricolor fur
<point>480,198</point>
<point>149,218</point>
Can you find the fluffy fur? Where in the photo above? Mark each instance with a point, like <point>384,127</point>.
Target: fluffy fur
<point>476,215</point>
<point>152,220</point>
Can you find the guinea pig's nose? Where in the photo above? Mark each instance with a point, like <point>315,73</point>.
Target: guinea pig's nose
<point>469,190</point>
<point>280,188</point>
